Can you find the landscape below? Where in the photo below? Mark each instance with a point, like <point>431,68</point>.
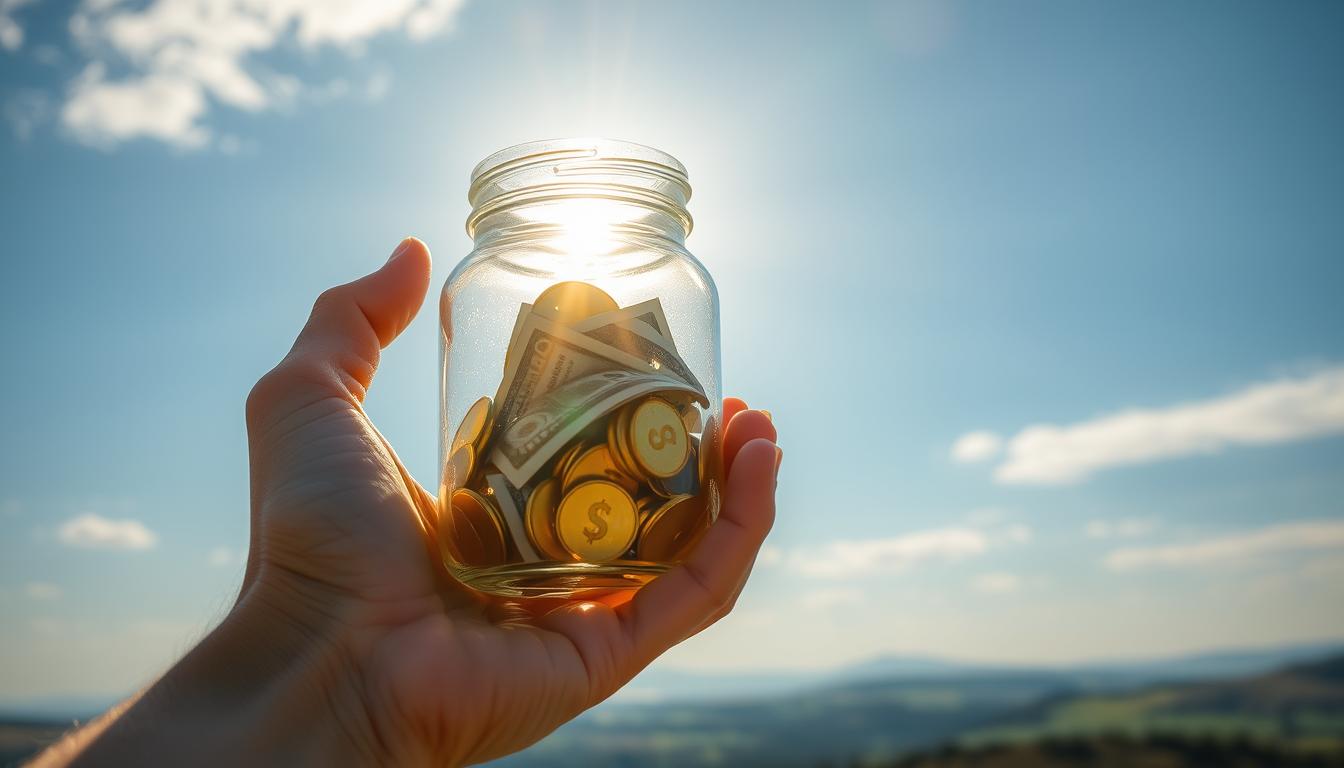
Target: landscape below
<point>1265,708</point>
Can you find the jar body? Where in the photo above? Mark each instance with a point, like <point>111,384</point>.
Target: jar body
<point>580,400</point>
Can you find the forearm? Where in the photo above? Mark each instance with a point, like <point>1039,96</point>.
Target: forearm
<point>253,690</point>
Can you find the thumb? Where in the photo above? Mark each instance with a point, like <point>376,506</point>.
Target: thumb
<point>337,351</point>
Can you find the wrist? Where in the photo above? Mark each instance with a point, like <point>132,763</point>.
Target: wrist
<point>265,683</point>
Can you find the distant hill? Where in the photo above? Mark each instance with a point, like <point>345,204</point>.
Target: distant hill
<point>884,710</point>
<point>878,721</point>
<point>1122,752</point>
<point>670,684</point>
<point>1302,704</point>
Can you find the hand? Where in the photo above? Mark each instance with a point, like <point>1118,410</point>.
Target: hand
<point>349,634</point>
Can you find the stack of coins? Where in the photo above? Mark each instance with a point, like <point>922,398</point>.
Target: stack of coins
<point>597,463</point>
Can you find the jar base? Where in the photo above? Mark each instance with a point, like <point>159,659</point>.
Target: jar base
<point>563,580</point>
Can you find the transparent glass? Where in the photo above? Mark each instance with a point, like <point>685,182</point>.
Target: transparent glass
<point>580,389</point>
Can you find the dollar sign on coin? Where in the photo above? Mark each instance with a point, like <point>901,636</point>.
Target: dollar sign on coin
<point>596,513</point>
<point>596,521</point>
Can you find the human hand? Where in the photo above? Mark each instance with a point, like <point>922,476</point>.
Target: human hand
<point>359,645</point>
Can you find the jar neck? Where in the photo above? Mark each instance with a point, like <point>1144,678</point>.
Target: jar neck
<point>581,196</point>
<point>590,225</point>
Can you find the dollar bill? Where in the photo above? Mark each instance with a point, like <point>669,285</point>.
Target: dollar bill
<point>637,341</point>
<point>539,433</point>
<point>546,355</point>
<point>512,505</point>
<point>649,313</point>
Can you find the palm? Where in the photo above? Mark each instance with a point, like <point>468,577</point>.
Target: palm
<point>448,675</point>
<point>342,515</point>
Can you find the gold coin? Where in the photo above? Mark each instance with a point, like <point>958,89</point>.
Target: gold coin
<point>597,463</point>
<point>540,520</point>
<point>476,530</point>
<point>566,458</point>
<point>475,426</point>
<point>656,438</point>
<point>648,505</point>
<point>666,532</point>
<point>685,482</point>
<point>596,521</point>
<point>572,301</point>
<point>616,443</point>
<point>460,464</point>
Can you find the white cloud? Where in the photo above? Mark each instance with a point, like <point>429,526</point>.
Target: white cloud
<point>92,531</point>
<point>974,447</point>
<point>997,583</point>
<point>822,599</point>
<point>1275,412</point>
<point>769,555</point>
<point>41,590</point>
<point>1240,547</point>
<point>222,556</point>
<point>180,57</point>
<point>11,34</point>
<point>855,557</point>
<point>164,107</point>
<point>1124,528</point>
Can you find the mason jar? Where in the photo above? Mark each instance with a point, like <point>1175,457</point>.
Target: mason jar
<point>580,390</point>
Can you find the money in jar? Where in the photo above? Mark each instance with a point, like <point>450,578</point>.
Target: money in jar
<point>580,382</point>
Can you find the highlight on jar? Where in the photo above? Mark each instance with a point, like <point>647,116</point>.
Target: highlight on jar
<point>591,461</point>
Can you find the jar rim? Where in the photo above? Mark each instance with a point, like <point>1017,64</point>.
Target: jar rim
<point>574,148</point>
<point>585,166</point>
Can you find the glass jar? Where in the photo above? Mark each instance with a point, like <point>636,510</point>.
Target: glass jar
<point>580,391</point>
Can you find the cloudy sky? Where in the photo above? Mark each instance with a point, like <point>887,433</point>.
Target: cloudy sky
<point>1045,298</point>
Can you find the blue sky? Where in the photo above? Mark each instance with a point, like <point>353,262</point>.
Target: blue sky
<point>1103,240</point>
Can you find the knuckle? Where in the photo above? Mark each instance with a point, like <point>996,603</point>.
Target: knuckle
<point>261,398</point>
<point>332,297</point>
<point>290,377</point>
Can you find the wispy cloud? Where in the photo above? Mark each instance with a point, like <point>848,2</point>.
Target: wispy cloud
<point>222,556</point>
<point>42,590</point>
<point>1274,412</point>
<point>93,531</point>
<point>845,558</point>
<point>997,583</point>
<point>1240,547</point>
<point>823,599</point>
<point>155,71</point>
<point>11,34</point>
<point>976,446</point>
<point>1123,528</point>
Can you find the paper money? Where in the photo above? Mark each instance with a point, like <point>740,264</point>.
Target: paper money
<point>548,355</point>
<point>539,433</point>
<point>649,313</point>
<point>511,505</point>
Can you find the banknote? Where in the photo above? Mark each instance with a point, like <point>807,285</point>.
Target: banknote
<point>536,435</point>
<point>649,313</point>
<point>512,505</point>
<point>638,341</point>
<point>546,355</point>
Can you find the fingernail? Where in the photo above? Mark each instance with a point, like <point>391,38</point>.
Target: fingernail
<point>768,417</point>
<point>779,459</point>
<point>405,246</point>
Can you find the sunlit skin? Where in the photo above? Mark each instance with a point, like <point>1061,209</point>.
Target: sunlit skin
<point>349,643</point>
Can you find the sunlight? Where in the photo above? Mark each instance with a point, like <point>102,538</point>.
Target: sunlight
<point>587,226</point>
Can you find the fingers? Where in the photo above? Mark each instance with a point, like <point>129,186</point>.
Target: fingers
<point>674,605</point>
<point>731,407</point>
<point>337,351</point>
<point>745,427</point>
